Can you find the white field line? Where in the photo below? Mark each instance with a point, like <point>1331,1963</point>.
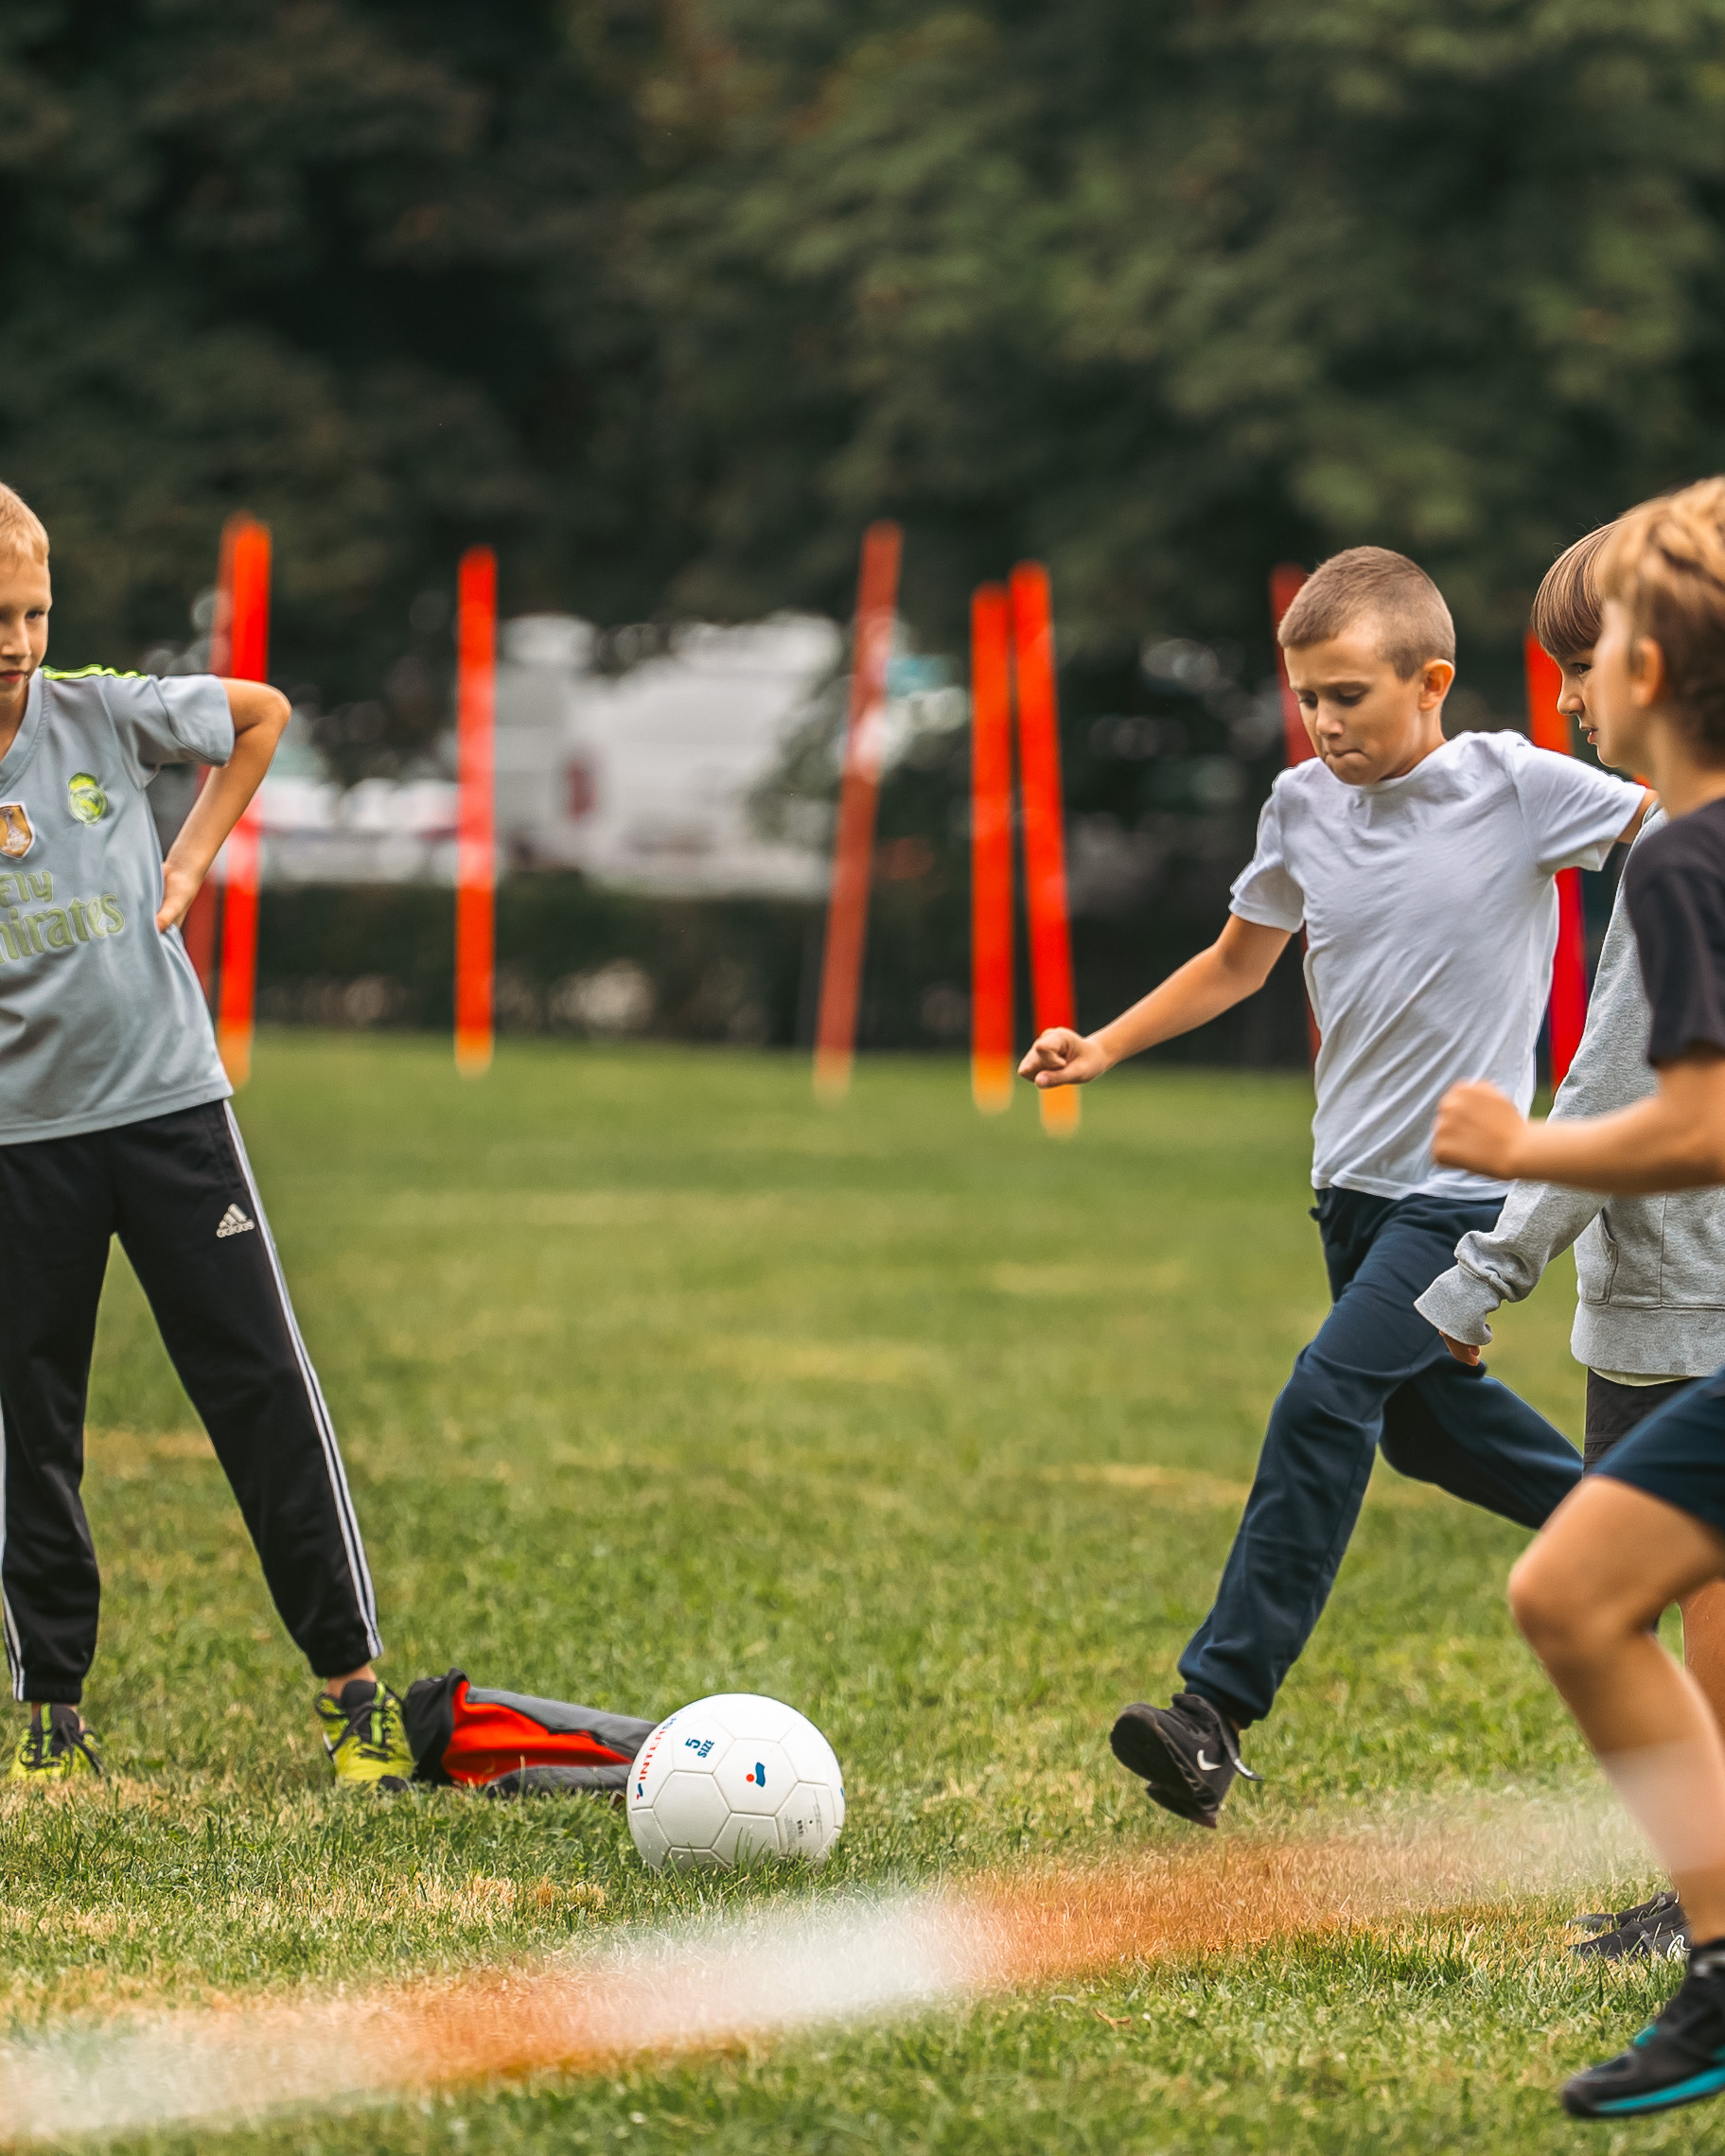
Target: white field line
<point>787,1968</point>
<point>768,1974</point>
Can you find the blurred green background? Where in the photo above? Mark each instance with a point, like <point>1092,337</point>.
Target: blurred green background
<point>668,297</point>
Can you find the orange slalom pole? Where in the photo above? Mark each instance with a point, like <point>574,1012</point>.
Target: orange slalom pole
<point>248,630</point>
<point>1044,844</point>
<point>476,827</point>
<point>859,791</point>
<point>1285,581</point>
<point>1550,730</point>
<point>199,926</point>
<point>990,850</point>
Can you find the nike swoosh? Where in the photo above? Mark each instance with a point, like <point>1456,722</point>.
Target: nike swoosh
<point>1208,1766</point>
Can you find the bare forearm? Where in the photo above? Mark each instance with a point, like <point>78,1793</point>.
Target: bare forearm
<point>1201,990</point>
<point>1236,963</point>
<point>260,715</point>
<point>219,808</point>
<point>1656,1145</point>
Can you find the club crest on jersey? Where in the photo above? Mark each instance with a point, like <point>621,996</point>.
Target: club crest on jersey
<point>84,796</point>
<point>16,837</point>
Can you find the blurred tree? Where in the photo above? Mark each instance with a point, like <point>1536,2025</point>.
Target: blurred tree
<point>353,264</point>
<point>1164,292</point>
<point>668,299</point>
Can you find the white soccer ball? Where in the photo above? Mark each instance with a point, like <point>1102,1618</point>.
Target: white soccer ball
<point>734,1779</point>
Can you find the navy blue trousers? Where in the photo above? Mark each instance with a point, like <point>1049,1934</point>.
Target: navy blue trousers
<point>1375,1378</point>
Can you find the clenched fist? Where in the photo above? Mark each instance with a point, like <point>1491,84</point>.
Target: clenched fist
<point>1061,1057</point>
<point>1478,1129</point>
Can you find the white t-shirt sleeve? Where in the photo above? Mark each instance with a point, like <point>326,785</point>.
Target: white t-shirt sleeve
<point>166,719</point>
<point>1265,892</point>
<point>1571,812</point>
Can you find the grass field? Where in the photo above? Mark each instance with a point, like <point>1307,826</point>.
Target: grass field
<point>655,1380</point>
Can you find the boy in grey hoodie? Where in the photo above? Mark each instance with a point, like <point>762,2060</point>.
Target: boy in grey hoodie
<point>1650,1318</point>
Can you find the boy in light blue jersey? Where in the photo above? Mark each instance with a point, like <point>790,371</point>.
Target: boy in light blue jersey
<point>114,1121</point>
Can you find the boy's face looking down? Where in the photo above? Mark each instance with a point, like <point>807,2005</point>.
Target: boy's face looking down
<point>1364,719</point>
<point>25,599</point>
<point>1572,701</point>
<point>1625,691</point>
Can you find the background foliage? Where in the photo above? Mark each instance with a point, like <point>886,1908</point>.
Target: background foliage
<point>668,299</point>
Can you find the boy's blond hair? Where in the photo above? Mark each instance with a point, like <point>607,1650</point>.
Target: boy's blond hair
<point>21,532</point>
<point>1371,583</point>
<point>1566,606</point>
<point>1665,562</point>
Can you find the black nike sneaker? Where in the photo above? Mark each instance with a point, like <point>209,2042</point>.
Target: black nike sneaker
<point>1679,2059</point>
<point>1655,1928</point>
<point>1186,1753</point>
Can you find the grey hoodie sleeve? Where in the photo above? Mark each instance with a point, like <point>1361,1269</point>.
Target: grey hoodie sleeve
<point>1539,1219</point>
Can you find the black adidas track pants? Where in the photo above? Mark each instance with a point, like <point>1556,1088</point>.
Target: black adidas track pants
<point>177,1189</point>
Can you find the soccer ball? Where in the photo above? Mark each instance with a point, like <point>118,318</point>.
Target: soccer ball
<point>734,1779</point>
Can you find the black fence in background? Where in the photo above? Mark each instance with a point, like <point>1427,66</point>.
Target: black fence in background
<point>581,961</point>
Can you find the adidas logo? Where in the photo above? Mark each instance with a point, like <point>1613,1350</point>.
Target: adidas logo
<point>234,1222</point>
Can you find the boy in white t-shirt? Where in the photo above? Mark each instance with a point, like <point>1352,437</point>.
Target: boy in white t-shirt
<point>1396,850</point>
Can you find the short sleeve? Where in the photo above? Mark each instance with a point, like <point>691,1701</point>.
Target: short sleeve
<point>1264,891</point>
<point>1573,812</point>
<point>167,719</point>
<point>1679,935</point>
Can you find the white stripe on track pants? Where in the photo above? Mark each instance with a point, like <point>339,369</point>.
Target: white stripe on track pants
<point>176,1189</point>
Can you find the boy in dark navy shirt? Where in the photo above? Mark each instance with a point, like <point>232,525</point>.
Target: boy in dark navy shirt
<point>1648,1526</point>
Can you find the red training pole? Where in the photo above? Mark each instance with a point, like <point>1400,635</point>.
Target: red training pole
<point>859,791</point>
<point>1285,581</point>
<point>197,927</point>
<point>1044,844</point>
<point>248,629</point>
<point>990,850</point>
<point>476,827</point>
<point>1550,730</point>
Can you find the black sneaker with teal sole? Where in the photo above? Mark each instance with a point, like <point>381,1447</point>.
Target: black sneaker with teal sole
<point>1186,1753</point>
<point>1679,2059</point>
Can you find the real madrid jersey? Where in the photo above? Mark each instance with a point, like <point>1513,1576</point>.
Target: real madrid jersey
<point>102,1021</point>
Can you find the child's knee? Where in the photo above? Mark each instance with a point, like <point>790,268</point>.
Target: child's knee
<point>1540,1600</point>
<point>1556,1614</point>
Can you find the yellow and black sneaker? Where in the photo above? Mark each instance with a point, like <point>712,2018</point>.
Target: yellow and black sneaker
<point>365,1736</point>
<point>55,1746</point>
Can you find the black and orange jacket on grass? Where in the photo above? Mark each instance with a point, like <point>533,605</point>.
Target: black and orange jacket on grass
<point>512,1745</point>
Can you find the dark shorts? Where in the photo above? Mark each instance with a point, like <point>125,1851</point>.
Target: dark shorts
<point>1614,1410</point>
<point>1679,1453</point>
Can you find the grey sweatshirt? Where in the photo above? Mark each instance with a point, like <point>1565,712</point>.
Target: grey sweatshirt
<point>1651,1270</point>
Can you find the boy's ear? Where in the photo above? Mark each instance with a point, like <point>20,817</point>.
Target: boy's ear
<point>1650,677</point>
<point>1435,677</point>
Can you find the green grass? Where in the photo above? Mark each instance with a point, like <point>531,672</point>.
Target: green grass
<point>654,1380</point>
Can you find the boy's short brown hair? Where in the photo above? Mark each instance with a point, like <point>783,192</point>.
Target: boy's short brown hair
<point>1665,562</point>
<point>21,532</point>
<point>1566,605</point>
<point>1372,584</point>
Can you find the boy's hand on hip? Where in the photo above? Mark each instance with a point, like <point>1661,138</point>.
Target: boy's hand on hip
<point>1478,1129</point>
<point>1061,1057</point>
<point>179,889</point>
<point>1463,1350</point>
